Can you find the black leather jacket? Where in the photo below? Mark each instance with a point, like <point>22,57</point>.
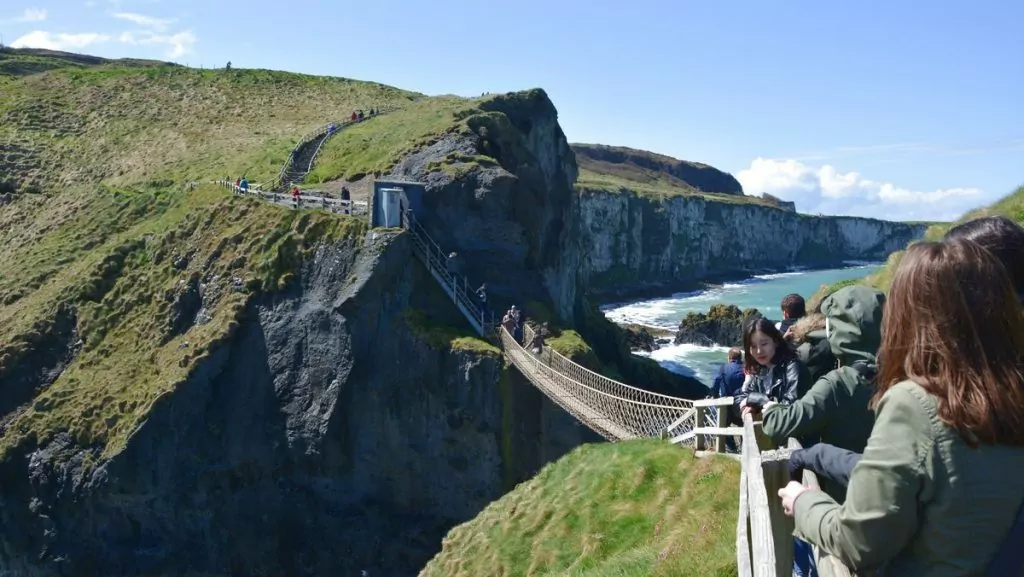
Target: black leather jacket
<point>786,382</point>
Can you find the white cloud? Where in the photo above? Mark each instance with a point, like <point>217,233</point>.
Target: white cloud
<point>145,21</point>
<point>826,190</point>
<point>59,41</point>
<point>177,44</point>
<point>29,15</point>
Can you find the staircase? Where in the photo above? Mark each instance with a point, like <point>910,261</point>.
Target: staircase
<point>302,159</point>
<point>456,286</point>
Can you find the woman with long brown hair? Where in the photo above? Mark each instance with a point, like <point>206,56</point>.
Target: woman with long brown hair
<point>939,487</point>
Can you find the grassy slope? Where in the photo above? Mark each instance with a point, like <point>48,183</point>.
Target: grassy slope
<point>1010,206</point>
<point>123,124</point>
<point>374,146</point>
<point>636,508</point>
<point>655,184</point>
<point>109,145</point>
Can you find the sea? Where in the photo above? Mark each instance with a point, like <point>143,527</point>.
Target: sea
<point>763,292</point>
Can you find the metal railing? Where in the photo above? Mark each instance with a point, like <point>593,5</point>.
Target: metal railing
<point>455,285</point>
<point>332,205</point>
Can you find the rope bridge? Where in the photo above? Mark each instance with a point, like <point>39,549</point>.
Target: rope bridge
<point>614,410</point>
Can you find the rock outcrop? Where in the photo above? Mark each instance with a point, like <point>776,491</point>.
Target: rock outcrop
<point>631,245</point>
<point>326,438</point>
<point>722,326</point>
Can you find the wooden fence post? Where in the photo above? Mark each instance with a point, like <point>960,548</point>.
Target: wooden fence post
<point>698,422</point>
<point>723,422</point>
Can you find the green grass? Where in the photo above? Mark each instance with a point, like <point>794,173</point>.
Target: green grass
<point>654,189</point>
<point>635,508</point>
<point>125,124</point>
<point>374,146</point>
<point>111,262</point>
<point>446,337</point>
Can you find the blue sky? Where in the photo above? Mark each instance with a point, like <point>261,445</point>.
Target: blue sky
<point>892,109</point>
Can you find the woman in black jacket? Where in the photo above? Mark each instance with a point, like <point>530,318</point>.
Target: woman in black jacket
<point>774,373</point>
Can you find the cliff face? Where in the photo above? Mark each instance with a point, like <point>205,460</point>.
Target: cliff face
<point>507,213</point>
<point>630,245</point>
<point>325,438</point>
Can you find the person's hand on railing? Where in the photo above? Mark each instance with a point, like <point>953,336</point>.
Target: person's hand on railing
<point>788,494</point>
<point>756,404</point>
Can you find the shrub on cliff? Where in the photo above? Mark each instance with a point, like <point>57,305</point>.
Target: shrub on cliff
<point>636,508</point>
<point>722,325</point>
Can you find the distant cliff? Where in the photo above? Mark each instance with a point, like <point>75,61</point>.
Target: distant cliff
<point>633,244</point>
<point>643,167</point>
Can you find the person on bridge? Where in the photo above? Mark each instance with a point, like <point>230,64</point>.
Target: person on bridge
<point>244,184</point>
<point>537,343</point>
<point>345,194</point>
<point>296,196</point>
<point>937,490</point>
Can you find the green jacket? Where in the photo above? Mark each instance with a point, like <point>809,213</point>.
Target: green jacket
<point>920,500</point>
<point>836,407</point>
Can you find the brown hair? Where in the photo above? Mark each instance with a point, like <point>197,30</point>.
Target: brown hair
<point>782,349</point>
<point>794,306</point>
<point>735,354</point>
<point>1000,236</point>
<point>953,325</point>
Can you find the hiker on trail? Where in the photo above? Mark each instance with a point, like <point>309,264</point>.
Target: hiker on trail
<point>1003,238</point>
<point>238,185</point>
<point>793,309</point>
<point>345,194</point>
<point>330,129</point>
<point>296,198</point>
<point>354,117</point>
<point>774,371</point>
<point>835,409</point>
<point>937,490</point>
<point>360,115</point>
<point>244,184</point>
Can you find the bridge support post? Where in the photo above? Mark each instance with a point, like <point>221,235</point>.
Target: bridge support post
<point>723,421</point>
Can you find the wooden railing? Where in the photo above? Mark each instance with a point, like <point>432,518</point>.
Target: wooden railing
<point>764,533</point>
<point>704,426</point>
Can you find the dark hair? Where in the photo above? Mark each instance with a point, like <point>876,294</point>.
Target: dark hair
<point>735,354</point>
<point>760,324</point>
<point>953,325</point>
<point>794,306</point>
<point>1000,236</point>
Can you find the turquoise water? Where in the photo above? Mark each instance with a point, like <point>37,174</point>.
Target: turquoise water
<point>763,292</point>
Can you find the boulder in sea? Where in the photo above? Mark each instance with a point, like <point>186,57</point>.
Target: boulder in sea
<point>721,326</point>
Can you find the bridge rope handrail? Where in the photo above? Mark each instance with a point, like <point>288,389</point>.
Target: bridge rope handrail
<point>609,384</point>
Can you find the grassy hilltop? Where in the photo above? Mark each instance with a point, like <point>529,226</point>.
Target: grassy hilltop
<point>100,243</point>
